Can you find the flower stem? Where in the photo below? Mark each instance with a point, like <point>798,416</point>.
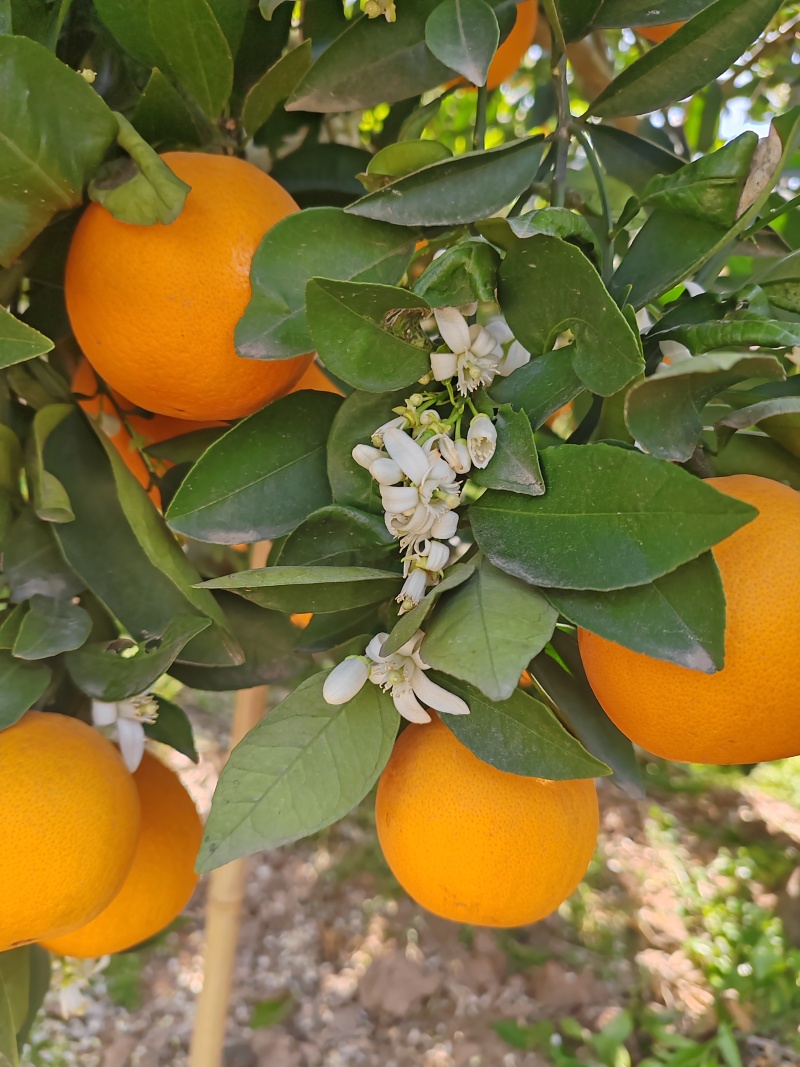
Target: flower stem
<point>562,135</point>
<point>479,136</point>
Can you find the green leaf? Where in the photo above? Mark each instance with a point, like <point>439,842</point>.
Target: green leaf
<point>320,241</point>
<point>39,968</point>
<point>375,62</point>
<point>565,685</point>
<point>51,627</point>
<point>299,589</point>
<point>456,191</point>
<point>615,13</point>
<point>118,544</point>
<point>268,641</point>
<point>50,500</point>
<point>355,422</point>
<point>263,477</point>
<point>778,418</point>
<point>33,563</point>
<point>141,190</point>
<point>515,464</point>
<point>303,767</point>
<point>173,727</point>
<point>272,1012</point>
<point>322,174</point>
<point>274,86</point>
<point>21,686</point>
<point>575,16</point>
<point>358,328</point>
<point>15,977</point>
<point>519,735</point>
<point>462,274</point>
<point>18,341</point>
<point>679,617</point>
<point>105,673</point>
<point>335,628</point>
<point>688,60</point>
<point>463,34</point>
<point>404,157</point>
<point>54,131</point>
<point>554,221</point>
<point>750,453</point>
<point>611,518</point>
<point>129,24</point>
<point>732,333</point>
<point>569,296</point>
<point>164,118</point>
<point>195,50</point>
<point>631,159</point>
<point>408,624</point>
<point>8,1030</point>
<point>336,537</point>
<point>541,387</point>
<point>12,620</point>
<point>665,412</point>
<point>488,631</point>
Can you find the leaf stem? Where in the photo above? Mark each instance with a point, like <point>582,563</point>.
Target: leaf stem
<point>561,135</point>
<point>479,136</point>
<point>605,203</point>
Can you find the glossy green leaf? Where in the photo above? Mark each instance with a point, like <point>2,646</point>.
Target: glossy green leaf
<point>463,34</point>
<point>546,287</point>
<point>354,423</point>
<point>515,464</point>
<point>319,175</point>
<point>695,54</point>
<point>195,50</point>
<point>455,191</point>
<point>173,727</point>
<point>631,159</point>
<point>734,333</point>
<point>263,477</point>
<point>611,518</point>
<point>274,86</point>
<point>679,617</point>
<point>575,16</point>
<point>54,131</point>
<point>404,157</point>
<point>106,673</point>
<point>12,620</point>
<point>615,13</point>
<point>778,417</point>
<point>119,546</point>
<point>665,412</point>
<point>554,221</point>
<point>130,25</point>
<point>375,62</point>
<point>408,624</point>
<point>580,711</point>
<point>359,331</point>
<point>335,628</point>
<point>21,686</point>
<point>304,766</point>
<point>15,977</point>
<point>541,387</point>
<point>318,242</point>
<point>337,537</point>
<point>519,735</point>
<point>462,274</point>
<point>18,342</point>
<point>300,589</point>
<point>164,118</point>
<point>50,500</point>
<point>268,641</point>
<point>39,968</point>
<point>751,453</point>
<point>488,630</point>
<point>8,1029</point>
<point>33,564</point>
<point>51,627</point>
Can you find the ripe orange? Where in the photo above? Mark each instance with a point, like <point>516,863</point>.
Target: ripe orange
<point>316,378</point>
<point>161,878</point>
<point>657,34</point>
<point>154,307</point>
<point>69,826</point>
<point>148,429</point>
<point>748,711</point>
<point>512,50</point>
<point>475,844</point>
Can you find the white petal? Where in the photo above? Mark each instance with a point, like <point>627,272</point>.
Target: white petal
<point>130,735</point>
<point>386,472</point>
<point>406,453</point>
<point>481,440</point>
<point>345,680</point>
<point>365,455</point>
<point>482,343</point>
<point>674,351</point>
<point>516,356</point>
<point>413,590</point>
<point>411,644</point>
<point>399,498</point>
<point>104,714</point>
<point>373,649</point>
<point>443,365</point>
<point>445,526</point>
<point>438,698</point>
<point>438,555</point>
<point>500,330</point>
<point>453,328</point>
<point>408,705</point>
<point>468,309</point>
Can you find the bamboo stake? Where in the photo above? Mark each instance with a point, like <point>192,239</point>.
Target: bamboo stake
<point>224,904</point>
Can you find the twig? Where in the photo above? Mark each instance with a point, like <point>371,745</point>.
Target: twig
<point>605,203</point>
<point>479,136</point>
<point>561,134</point>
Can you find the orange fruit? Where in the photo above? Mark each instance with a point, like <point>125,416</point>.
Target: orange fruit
<point>512,50</point>
<point>301,619</point>
<point>154,307</point>
<point>161,878</point>
<point>148,429</point>
<point>657,34</point>
<point>475,844</point>
<point>69,826</point>
<point>748,711</point>
<point>316,378</point>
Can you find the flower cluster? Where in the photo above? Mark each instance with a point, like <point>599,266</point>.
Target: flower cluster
<point>419,460</point>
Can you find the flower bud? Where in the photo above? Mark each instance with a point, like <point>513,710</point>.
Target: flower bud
<point>456,454</point>
<point>445,526</point>
<point>345,680</point>
<point>438,555</point>
<point>386,472</point>
<point>365,455</point>
<point>481,440</point>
